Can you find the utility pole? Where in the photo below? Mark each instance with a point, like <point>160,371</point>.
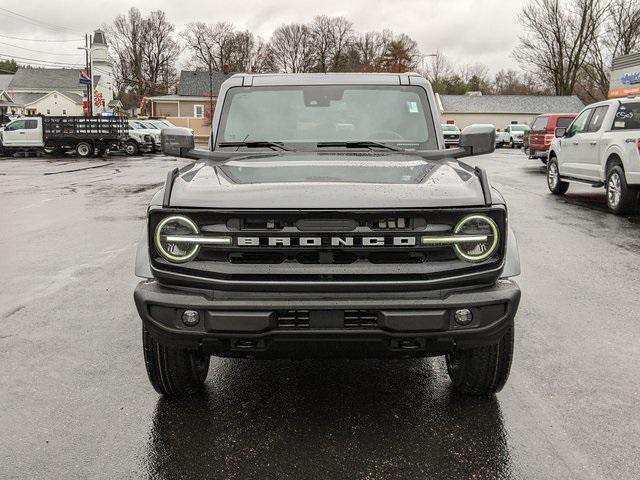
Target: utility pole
<point>90,75</point>
<point>86,57</point>
<point>211,86</point>
<point>89,69</point>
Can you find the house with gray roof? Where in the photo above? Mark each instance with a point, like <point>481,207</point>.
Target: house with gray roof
<point>197,92</point>
<point>502,110</point>
<point>58,91</point>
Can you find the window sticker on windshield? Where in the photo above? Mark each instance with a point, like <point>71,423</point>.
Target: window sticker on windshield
<point>619,124</point>
<point>413,107</point>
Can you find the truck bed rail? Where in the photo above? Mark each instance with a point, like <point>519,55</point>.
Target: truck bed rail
<point>103,128</point>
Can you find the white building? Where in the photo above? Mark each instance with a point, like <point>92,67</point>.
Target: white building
<point>502,110</point>
<point>58,91</point>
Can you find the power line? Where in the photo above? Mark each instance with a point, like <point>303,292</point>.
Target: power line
<point>75,40</point>
<point>41,51</point>
<point>35,21</point>
<point>35,60</point>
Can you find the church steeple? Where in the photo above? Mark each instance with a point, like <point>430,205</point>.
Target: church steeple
<point>99,48</point>
<point>102,66</point>
<point>98,38</point>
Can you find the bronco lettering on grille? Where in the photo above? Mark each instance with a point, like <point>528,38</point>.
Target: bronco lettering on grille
<point>325,241</point>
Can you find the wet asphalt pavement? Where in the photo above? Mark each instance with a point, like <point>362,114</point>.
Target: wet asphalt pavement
<point>75,401</point>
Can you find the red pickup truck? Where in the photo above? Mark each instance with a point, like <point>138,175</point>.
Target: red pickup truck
<point>542,133</point>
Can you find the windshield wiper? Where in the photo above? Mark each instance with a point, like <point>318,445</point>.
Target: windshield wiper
<point>257,144</point>
<point>360,144</point>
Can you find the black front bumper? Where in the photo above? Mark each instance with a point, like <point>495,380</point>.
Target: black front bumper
<point>250,324</point>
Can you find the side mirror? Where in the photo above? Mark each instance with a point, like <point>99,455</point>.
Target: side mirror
<point>560,132</point>
<point>478,140</point>
<point>177,141</point>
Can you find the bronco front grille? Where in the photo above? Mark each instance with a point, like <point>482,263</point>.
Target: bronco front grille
<point>309,248</point>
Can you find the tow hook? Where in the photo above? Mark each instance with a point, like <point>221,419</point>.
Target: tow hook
<point>409,344</point>
<point>246,343</point>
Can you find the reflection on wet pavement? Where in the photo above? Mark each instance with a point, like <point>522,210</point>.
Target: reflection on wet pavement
<point>328,419</point>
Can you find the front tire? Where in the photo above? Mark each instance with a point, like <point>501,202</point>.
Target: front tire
<point>554,182</point>
<point>482,371</point>
<point>620,198</point>
<point>173,370</point>
<point>84,149</point>
<point>131,148</point>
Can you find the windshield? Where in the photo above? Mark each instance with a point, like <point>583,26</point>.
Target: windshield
<point>450,128</point>
<point>136,125</point>
<point>397,115</point>
<point>159,124</point>
<point>519,128</point>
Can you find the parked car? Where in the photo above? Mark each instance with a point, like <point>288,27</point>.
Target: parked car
<point>85,135</point>
<point>142,138</point>
<point>542,133</point>
<point>415,261</point>
<point>513,136</point>
<point>161,123</point>
<point>451,135</point>
<point>601,148</point>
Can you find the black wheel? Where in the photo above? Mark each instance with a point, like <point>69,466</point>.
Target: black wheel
<point>84,149</point>
<point>131,148</point>
<point>620,198</point>
<point>482,370</point>
<point>173,370</point>
<point>554,182</point>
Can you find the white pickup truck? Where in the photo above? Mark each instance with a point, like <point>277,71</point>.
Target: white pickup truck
<point>513,136</point>
<point>601,148</point>
<point>84,135</point>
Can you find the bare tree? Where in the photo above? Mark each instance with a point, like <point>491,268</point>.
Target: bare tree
<point>477,70</point>
<point>341,38</point>
<point>558,39</point>
<point>438,67</point>
<point>145,53</point>
<point>332,37</point>
<point>210,45</point>
<point>368,50</point>
<point>511,82</point>
<point>292,48</point>
<point>249,53</point>
<point>620,35</point>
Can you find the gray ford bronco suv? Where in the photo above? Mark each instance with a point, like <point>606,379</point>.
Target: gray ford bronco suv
<point>327,219</point>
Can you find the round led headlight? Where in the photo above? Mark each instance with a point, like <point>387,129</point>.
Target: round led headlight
<point>167,239</point>
<point>483,238</point>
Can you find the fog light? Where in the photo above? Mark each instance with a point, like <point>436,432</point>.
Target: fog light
<point>463,316</point>
<point>190,318</point>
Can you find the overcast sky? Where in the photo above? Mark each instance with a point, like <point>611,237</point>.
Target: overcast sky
<point>467,31</point>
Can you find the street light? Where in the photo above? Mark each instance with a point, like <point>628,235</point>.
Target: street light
<point>422,58</point>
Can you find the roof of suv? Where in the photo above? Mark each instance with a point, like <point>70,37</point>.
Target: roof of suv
<point>613,101</point>
<point>329,78</point>
<point>568,114</point>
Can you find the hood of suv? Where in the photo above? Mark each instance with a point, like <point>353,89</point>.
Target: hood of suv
<point>327,181</point>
